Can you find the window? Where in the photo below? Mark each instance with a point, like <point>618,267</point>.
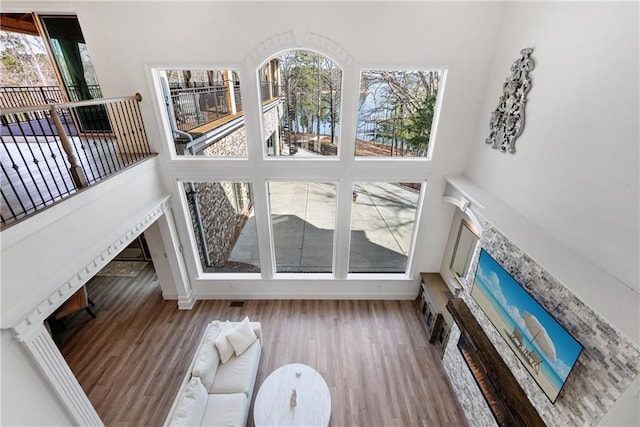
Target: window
<point>204,111</point>
<point>223,225</point>
<point>382,223</point>
<point>303,220</point>
<point>396,113</point>
<point>300,92</point>
<point>76,70</point>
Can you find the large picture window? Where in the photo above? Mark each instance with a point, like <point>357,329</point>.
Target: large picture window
<point>300,93</point>
<point>396,113</point>
<point>223,224</point>
<point>382,222</point>
<point>252,210</point>
<point>204,112</point>
<point>303,221</point>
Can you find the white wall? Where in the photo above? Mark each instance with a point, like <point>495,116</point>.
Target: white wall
<point>27,397</point>
<point>575,172</point>
<point>456,36</point>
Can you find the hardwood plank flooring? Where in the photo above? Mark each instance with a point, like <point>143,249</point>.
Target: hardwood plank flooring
<point>373,355</point>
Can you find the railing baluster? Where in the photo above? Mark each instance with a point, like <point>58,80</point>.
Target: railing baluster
<point>15,166</point>
<point>58,160</point>
<point>135,141</point>
<point>125,152</point>
<point>80,144</point>
<point>15,192</point>
<point>106,145</point>
<point>37,162</point>
<point>91,141</point>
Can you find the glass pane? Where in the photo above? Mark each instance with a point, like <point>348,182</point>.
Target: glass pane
<point>382,223</point>
<point>300,93</point>
<point>463,250</point>
<point>224,226</point>
<point>204,108</point>
<point>303,220</point>
<point>72,57</point>
<point>75,66</point>
<point>396,113</point>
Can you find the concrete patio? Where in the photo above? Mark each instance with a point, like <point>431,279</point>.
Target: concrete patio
<point>303,217</point>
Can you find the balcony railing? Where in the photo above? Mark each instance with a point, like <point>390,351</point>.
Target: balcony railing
<point>25,96</point>
<point>194,107</point>
<point>49,152</point>
<point>269,91</point>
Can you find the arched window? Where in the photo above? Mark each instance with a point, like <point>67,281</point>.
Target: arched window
<point>300,95</point>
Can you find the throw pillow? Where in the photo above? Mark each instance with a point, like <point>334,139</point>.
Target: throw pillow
<point>191,408</point>
<point>222,343</point>
<point>242,336</point>
<point>208,358</point>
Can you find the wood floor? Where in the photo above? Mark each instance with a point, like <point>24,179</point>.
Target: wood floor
<point>373,354</point>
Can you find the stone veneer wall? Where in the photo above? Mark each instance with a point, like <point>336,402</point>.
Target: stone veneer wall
<point>235,143</point>
<point>605,368</point>
<point>232,145</point>
<point>473,404</point>
<point>219,219</point>
<point>271,120</point>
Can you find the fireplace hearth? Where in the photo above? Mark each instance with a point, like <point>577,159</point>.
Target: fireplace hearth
<point>506,399</point>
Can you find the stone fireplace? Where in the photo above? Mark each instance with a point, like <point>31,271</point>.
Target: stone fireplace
<point>504,396</point>
<point>607,365</point>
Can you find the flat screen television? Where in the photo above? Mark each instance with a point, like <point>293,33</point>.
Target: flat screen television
<point>542,345</point>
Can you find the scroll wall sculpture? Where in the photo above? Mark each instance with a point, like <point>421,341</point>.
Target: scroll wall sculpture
<point>507,121</point>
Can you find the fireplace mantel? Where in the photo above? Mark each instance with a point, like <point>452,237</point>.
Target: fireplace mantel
<point>508,402</point>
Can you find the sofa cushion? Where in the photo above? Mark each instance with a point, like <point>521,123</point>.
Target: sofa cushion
<point>192,405</point>
<point>242,336</point>
<point>238,375</point>
<point>226,410</point>
<point>222,343</point>
<point>207,359</point>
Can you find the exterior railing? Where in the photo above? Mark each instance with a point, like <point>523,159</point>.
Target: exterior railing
<point>238,98</point>
<point>197,106</point>
<point>49,152</point>
<point>269,91</point>
<point>24,96</point>
<point>76,93</point>
<point>27,96</point>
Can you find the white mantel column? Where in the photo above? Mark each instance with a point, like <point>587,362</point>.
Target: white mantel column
<point>49,359</point>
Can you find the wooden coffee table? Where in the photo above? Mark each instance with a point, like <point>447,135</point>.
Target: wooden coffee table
<point>273,401</point>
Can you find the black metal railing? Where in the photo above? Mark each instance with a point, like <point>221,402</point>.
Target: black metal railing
<point>77,93</point>
<point>197,106</point>
<point>269,91</point>
<point>24,96</point>
<point>238,98</point>
<point>55,150</point>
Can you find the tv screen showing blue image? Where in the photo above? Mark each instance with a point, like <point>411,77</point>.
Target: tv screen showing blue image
<point>542,345</point>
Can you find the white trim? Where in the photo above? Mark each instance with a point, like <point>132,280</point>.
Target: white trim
<point>51,362</point>
<point>464,204</point>
<point>186,302</point>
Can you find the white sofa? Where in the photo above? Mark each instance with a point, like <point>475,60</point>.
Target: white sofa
<point>218,387</point>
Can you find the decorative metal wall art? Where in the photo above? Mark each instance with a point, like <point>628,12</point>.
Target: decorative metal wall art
<point>507,121</point>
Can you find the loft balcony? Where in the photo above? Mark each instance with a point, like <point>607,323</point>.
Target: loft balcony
<point>51,150</point>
